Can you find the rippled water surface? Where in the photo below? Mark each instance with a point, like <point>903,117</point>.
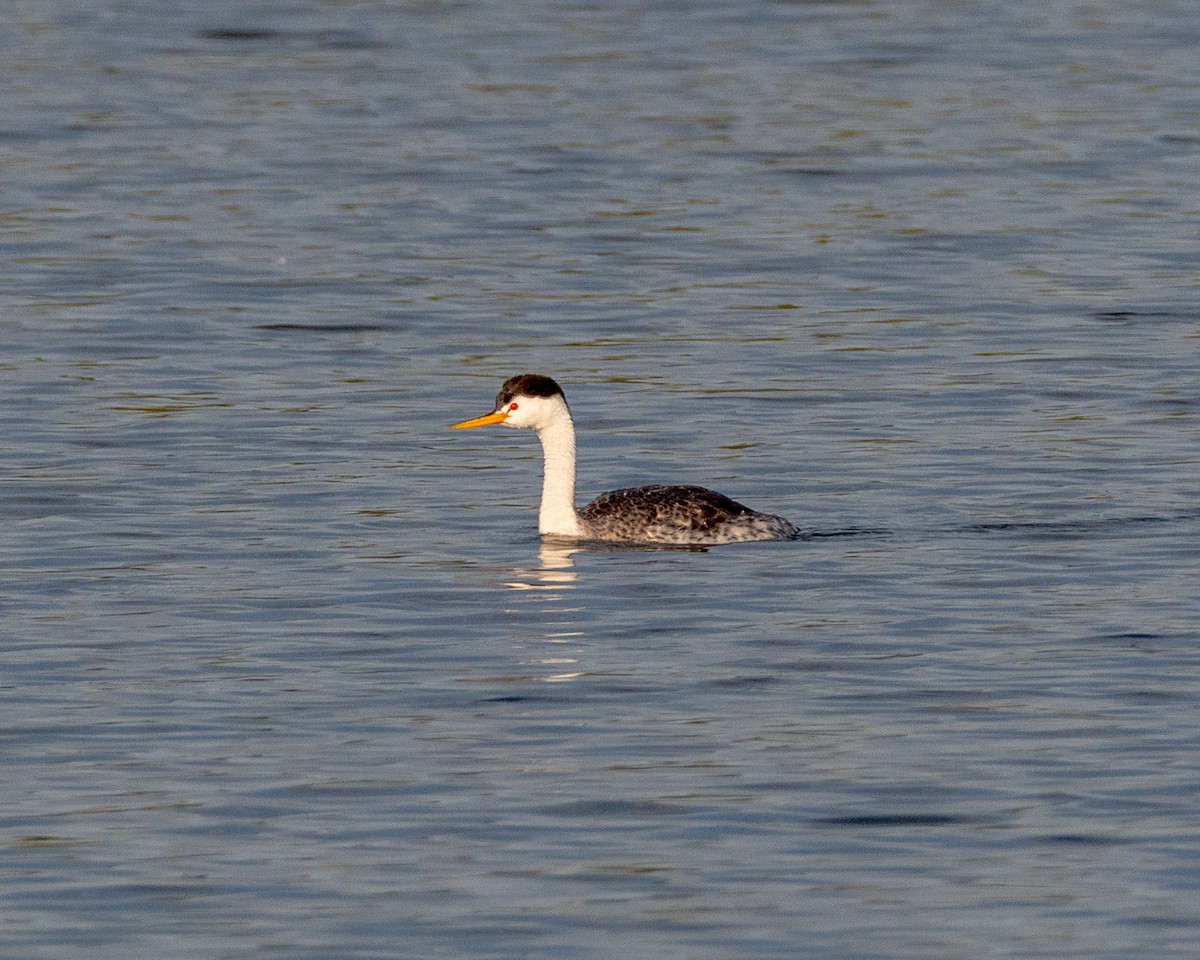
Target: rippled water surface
<point>286,670</point>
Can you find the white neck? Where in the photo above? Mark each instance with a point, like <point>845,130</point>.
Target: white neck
<point>557,516</point>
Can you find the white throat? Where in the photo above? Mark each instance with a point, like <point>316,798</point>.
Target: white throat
<point>557,516</point>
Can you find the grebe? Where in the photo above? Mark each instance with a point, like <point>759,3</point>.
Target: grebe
<point>678,515</point>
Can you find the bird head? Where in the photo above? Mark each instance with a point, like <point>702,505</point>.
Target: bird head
<point>528,400</point>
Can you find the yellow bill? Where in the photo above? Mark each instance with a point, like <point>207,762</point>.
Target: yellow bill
<point>485,421</point>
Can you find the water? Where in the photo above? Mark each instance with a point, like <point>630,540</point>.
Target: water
<point>287,672</point>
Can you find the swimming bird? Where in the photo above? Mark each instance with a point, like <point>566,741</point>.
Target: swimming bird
<point>656,514</point>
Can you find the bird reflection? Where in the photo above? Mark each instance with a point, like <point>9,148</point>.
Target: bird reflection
<point>548,599</point>
<point>554,568</point>
<point>554,577</point>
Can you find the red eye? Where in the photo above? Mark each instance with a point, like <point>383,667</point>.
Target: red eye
<point>512,406</point>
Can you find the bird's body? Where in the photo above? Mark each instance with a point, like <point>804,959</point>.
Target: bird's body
<point>656,514</point>
<point>678,514</point>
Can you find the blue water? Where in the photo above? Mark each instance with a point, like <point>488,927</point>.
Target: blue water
<point>286,670</point>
